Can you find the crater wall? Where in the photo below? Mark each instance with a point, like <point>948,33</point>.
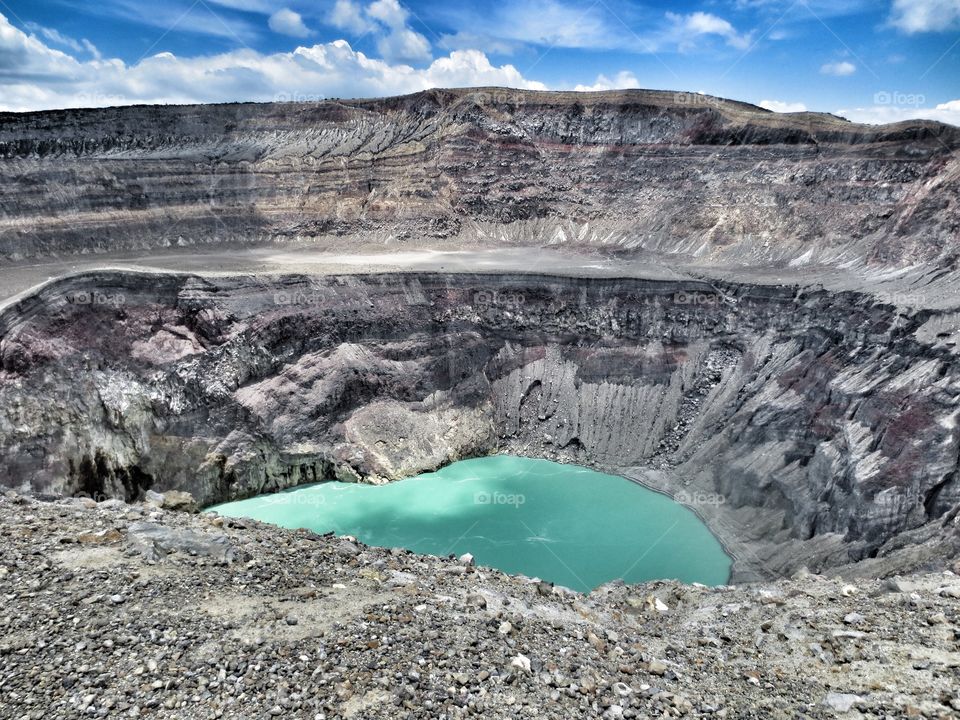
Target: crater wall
<point>715,181</point>
<point>807,427</point>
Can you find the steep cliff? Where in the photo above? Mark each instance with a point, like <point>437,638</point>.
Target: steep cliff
<point>715,181</point>
<point>809,428</point>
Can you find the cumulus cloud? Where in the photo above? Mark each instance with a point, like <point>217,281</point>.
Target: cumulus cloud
<point>623,79</point>
<point>690,27</point>
<point>917,16</point>
<point>838,69</point>
<point>36,76</point>
<point>405,45</point>
<point>388,20</point>
<point>783,107</point>
<point>288,22</point>
<point>348,15</point>
<point>948,112</point>
<point>400,42</point>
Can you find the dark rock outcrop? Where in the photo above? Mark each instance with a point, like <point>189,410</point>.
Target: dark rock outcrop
<point>808,427</point>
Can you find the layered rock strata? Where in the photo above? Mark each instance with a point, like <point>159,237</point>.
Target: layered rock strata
<point>807,427</point>
<point>714,181</point>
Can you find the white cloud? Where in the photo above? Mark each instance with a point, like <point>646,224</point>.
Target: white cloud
<point>689,27</point>
<point>387,19</point>
<point>404,44</point>
<point>36,76</point>
<point>565,24</point>
<point>389,12</point>
<point>948,112</point>
<point>196,17</point>
<point>916,16</point>
<point>623,79</point>
<point>287,22</point>
<point>550,23</point>
<point>58,38</point>
<point>839,69</point>
<point>783,107</point>
<point>401,42</point>
<point>90,48</point>
<point>347,15</point>
<point>463,68</point>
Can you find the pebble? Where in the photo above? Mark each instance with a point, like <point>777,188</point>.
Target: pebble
<point>656,667</point>
<point>841,702</point>
<point>522,663</point>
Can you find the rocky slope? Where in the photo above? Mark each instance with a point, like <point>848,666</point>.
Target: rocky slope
<point>114,610</point>
<point>808,428</point>
<point>709,180</point>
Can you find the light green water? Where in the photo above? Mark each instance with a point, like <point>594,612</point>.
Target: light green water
<point>562,523</point>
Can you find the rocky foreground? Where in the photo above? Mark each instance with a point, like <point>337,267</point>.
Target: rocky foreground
<point>126,610</point>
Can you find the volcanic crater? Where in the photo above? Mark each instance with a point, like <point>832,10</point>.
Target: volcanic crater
<point>760,319</point>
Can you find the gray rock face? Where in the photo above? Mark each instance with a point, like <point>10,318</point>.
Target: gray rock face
<point>721,182</point>
<point>154,541</point>
<point>806,427</point>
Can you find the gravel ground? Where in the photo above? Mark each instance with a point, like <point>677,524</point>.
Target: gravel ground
<point>115,610</point>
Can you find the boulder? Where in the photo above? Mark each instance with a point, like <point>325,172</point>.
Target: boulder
<point>154,542</point>
<point>176,500</point>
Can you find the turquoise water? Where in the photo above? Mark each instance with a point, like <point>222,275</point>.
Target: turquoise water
<point>563,523</point>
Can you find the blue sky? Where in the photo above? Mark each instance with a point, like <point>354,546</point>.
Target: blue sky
<point>872,61</point>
